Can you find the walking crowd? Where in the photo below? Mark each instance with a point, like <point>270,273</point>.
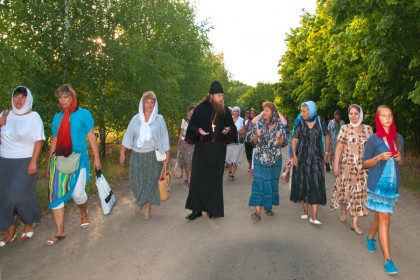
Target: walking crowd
<point>212,138</point>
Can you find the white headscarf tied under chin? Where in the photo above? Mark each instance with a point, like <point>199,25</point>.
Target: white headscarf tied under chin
<point>360,116</point>
<point>145,130</point>
<point>28,103</point>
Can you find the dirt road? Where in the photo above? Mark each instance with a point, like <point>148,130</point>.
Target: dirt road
<point>124,246</point>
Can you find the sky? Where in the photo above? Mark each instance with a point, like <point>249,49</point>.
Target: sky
<point>251,34</point>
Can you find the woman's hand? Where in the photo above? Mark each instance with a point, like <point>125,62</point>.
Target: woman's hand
<point>122,158</point>
<point>3,118</point>
<point>97,164</point>
<point>226,130</point>
<point>398,157</point>
<point>336,170</point>
<point>384,156</point>
<point>32,168</point>
<point>295,161</point>
<point>325,158</point>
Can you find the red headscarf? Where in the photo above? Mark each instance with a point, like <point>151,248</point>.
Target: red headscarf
<point>64,145</point>
<point>380,132</point>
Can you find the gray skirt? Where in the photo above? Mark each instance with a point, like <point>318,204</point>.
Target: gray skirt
<point>144,177</point>
<point>17,193</point>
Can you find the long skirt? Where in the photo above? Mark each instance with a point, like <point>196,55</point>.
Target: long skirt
<point>144,177</point>
<point>185,155</point>
<point>265,187</point>
<point>17,193</point>
<point>234,154</point>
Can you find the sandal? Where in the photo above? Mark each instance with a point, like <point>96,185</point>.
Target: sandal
<point>269,213</point>
<point>28,234</point>
<point>84,223</point>
<point>231,177</point>
<point>54,239</point>
<point>4,243</point>
<point>255,216</point>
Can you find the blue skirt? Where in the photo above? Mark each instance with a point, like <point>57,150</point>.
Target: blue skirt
<point>385,195</point>
<point>265,187</point>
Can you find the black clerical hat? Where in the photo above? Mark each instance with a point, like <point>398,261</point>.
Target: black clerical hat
<point>216,87</point>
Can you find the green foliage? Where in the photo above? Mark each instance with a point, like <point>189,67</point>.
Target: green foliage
<point>111,52</point>
<point>363,52</point>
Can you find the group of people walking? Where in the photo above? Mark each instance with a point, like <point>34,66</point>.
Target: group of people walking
<point>366,164</point>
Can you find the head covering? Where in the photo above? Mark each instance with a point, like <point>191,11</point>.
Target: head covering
<point>28,102</point>
<point>236,108</point>
<point>360,116</point>
<point>145,130</point>
<point>262,124</point>
<point>64,146</point>
<point>380,132</point>
<point>312,110</point>
<point>216,87</point>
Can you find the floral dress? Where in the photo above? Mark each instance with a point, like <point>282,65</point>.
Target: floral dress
<point>351,184</point>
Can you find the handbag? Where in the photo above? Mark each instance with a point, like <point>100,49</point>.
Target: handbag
<point>68,164</point>
<point>107,197</point>
<point>164,184</point>
<point>160,156</point>
<point>177,169</point>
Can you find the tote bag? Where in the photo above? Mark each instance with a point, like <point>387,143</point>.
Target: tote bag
<point>164,184</point>
<point>106,195</point>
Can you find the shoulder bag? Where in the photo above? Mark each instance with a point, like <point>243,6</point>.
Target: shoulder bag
<point>68,164</point>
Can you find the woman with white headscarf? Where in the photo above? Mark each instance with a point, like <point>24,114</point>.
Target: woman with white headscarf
<point>146,133</point>
<point>310,144</point>
<point>22,137</point>
<point>234,151</point>
<point>350,189</point>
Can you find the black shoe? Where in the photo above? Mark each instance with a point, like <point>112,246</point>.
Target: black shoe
<point>193,215</point>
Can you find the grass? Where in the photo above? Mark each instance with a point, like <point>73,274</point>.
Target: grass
<point>410,174</point>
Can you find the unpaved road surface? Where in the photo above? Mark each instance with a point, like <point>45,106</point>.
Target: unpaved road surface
<point>124,246</point>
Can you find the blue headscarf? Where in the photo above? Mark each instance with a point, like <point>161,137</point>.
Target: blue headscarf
<point>312,110</point>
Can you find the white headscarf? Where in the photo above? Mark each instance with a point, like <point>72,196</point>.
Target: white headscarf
<point>145,130</point>
<point>237,108</point>
<point>360,116</point>
<point>28,103</point>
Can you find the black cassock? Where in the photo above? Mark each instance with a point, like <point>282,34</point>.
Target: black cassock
<point>206,184</point>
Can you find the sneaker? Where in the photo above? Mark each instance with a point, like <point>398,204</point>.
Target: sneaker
<point>390,267</point>
<point>371,244</point>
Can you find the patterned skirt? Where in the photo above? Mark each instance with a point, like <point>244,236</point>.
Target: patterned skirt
<point>144,177</point>
<point>17,193</point>
<point>185,155</point>
<point>265,187</point>
<point>385,195</point>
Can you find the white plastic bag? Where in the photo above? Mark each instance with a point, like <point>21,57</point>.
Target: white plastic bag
<point>106,195</point>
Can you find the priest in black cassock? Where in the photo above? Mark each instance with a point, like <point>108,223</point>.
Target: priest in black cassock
<point>211,127</point>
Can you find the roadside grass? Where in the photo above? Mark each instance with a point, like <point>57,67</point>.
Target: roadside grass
<point>410,174</point>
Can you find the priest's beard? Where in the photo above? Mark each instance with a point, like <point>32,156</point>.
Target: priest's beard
<point>218,107</point>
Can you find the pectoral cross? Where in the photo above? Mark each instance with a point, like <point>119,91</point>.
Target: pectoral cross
<point>213,126</point>
<point>212,123</point>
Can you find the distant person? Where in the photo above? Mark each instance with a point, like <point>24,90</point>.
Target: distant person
<point>334,127</point>
<point>309,145</point>
<point>22,137</point>
<point>210,127</point>
<point>350,189</point>
<point>384,153</point>
<point>185,150</point>
<point>249,145</point>
<point>70,128</point>
<point>146,133</point>
<point>234,152</point>
<point>269,138</point>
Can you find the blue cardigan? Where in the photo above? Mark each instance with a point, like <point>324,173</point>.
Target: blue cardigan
<point>374,147</point>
